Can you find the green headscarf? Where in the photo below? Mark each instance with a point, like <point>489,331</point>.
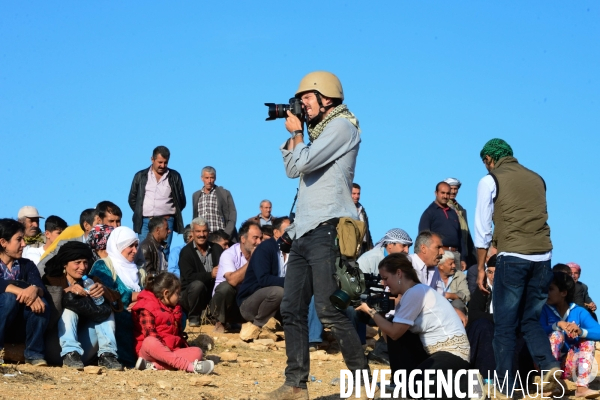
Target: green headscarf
<point>496,149</point>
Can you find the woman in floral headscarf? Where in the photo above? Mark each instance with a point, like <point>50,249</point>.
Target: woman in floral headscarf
<point>97,239</point>
<point>118,272</point>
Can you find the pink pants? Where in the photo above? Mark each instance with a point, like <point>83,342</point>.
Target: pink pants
<point>163,358</point>
<point>579,359</point>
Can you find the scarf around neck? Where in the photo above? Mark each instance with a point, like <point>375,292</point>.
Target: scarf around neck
<point>39,238</point>
<point>340,111</point>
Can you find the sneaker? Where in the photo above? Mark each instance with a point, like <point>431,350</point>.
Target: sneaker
<point>194,321</point>
<point>109,361</point>
<point>142,364</point>
<point>36,362</point>
<point>286,393</point>
<point>72,360</point>
<point>203,367</point>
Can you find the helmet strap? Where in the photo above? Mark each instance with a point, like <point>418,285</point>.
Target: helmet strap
<point>322,109</point>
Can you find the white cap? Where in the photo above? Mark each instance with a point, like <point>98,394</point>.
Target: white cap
<point>29,212</point>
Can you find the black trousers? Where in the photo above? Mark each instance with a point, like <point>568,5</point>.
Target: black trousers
<point>223,306</point>
<point>407,353</point>
<point>195,298</point>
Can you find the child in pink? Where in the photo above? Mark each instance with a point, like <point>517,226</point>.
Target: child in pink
<point>158,332</point>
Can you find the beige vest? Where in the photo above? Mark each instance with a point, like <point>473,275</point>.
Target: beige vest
<point>520,211</point>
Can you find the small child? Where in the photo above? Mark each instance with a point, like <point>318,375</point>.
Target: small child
<point>572,332</point>
<point>158,330</point>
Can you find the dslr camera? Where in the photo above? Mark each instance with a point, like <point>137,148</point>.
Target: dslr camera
<point>375,295</point>
<point>280,110</point>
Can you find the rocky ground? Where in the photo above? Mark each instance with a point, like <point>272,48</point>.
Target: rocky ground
<point>243,370</point>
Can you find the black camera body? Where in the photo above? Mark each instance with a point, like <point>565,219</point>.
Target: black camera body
<point>285,243</point>
<point>280,110</point>
<point>375,295</point>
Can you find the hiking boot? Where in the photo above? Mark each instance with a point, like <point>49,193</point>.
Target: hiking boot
<point>194,321</point>
<point>142,364</point>
<point>73,360</point>
<point>554,382</point>
<point>109,361</point>
<point>203,367</point>
<point>286,393</point>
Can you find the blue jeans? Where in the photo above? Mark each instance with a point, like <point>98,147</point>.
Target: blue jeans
<point>145,232</point>
<point>315,327</point>
<point>13,313</point>
<point>310,270</point>
<point>520,292</point>
<point>86,337</point>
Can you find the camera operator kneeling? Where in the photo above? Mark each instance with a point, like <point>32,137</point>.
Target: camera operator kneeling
<point>425,333</point>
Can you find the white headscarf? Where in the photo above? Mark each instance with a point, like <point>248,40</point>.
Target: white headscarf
<point>395,235</point>
<point>121,238</point>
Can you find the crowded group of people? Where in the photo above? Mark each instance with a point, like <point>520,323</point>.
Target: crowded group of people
<point>100,292</point>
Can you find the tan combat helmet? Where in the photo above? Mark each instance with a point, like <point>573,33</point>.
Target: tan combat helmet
<point>323,82</point>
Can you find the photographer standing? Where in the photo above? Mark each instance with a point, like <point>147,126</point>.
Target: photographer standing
<point>325,167</point>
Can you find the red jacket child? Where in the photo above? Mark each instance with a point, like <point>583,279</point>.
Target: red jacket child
<point>153,318</point>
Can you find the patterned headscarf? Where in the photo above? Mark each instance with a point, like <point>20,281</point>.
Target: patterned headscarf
<point>496,149</point>
<point>98,237</point>
<point>574,265</point>
<point>395,236</point>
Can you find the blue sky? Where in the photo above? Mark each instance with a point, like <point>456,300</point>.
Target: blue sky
<point>88,89</point>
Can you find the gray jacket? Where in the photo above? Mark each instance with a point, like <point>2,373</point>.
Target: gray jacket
<point>225,206</point>
<point>326,171</point>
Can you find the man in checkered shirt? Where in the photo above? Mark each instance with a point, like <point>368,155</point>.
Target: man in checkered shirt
<point>215,204</point>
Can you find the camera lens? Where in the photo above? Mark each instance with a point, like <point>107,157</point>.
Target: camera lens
<point>277,111</point>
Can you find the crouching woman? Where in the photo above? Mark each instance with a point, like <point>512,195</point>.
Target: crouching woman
<point>23,310</point>
<point>160,341</point>
<point>426,333</point>
<point>84,327</point>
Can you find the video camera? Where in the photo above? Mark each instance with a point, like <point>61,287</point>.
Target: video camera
<point>375,295</point>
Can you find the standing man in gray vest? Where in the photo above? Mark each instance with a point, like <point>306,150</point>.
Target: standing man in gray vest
<point>514,198</point>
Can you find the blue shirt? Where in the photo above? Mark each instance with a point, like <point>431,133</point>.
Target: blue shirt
<point>173,266</point>
<point>326,171</point>
<point>444,222</point>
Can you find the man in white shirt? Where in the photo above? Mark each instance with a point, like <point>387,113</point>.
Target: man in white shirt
<point>232,269</point>
<point>53,228</point>
<point>428,253</point>
<point>514,199</point>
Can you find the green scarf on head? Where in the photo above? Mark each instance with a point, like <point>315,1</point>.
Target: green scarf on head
<point>340,111</point>
<point>496,149</point>
<point>39,238</point>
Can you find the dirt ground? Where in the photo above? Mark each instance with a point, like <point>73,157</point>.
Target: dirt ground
<point>242,371</point>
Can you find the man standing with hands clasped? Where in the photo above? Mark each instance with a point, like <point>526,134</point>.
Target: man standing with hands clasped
<point>325,167</point>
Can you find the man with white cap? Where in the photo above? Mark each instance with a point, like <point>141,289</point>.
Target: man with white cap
<point>467,241</point>
<point>394,241</point>
<point>30,217</point>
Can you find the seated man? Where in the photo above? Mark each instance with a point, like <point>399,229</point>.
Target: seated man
<point>108,213</point>
<point>232,269</point>
<point>451,284</point>
<point>173,264</point>
<point>198,263</point>
<point>53,228</point>
<point>86,222</point>
<point>261,291</point>
<point>395,241</point>
<point>150,255</point>
<point>582,297</point>
<point>219,237</point>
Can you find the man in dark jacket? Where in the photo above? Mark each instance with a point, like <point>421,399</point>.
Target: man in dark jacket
<point>150,254</point>
<point>215,205</point>
<point>261,291</point>
<point>157,192</point>
<point>198,266</point>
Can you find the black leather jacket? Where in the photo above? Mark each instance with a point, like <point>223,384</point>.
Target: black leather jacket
<point>148,257</point>
<point>138,190</point>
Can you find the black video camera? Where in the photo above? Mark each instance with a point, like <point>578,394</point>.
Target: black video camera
<point>375,295</point>
<point>280,110</point>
